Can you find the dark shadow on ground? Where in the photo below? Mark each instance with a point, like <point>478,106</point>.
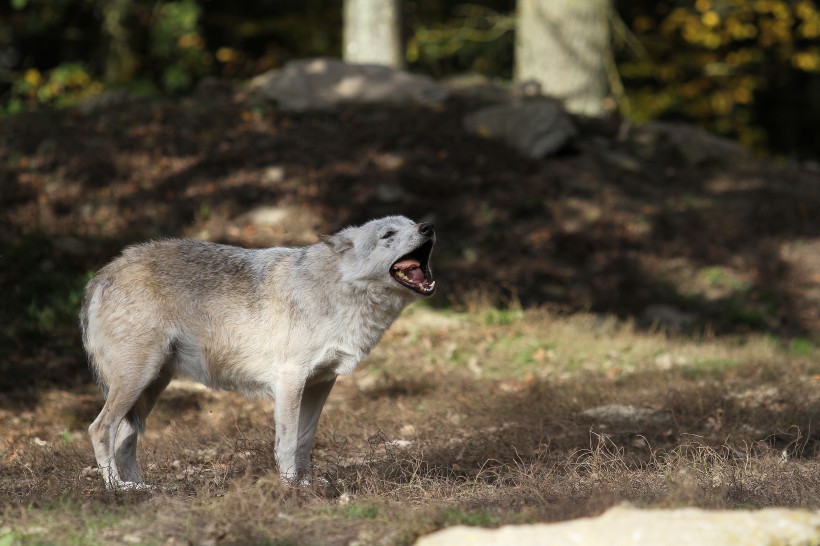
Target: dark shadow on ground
<point>605,226</point>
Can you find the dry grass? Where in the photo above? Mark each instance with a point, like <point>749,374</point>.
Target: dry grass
<point>470,417</point>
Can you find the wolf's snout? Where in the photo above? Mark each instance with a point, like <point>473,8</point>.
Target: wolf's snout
<point>427,229</point>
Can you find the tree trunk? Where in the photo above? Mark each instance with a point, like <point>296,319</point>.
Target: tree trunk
<point>119,59</point>
<point>564,46</point>
<point>372,32</point>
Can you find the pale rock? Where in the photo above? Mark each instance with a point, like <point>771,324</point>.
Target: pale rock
<point>323,84</point>
<point>266,215</point>
<point>626,526</point>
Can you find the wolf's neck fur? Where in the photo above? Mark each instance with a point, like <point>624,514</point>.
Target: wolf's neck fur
<point>366,313</point>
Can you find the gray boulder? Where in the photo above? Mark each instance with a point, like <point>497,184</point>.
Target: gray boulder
<point>627,526</point>
<point>682,143</point>
<point>533,128</point>
<point>323,84</point>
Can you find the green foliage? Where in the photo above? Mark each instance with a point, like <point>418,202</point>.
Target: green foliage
<point>178,45</point>
<point>50,297</point>
<point>476,38</point>
<point>61,86</point>
<point>710,60</point>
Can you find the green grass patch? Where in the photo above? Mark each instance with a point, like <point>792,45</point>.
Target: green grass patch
<point>719,277</point>
<point>473,518</point>
<point>801,347</point>
<point>355,511</point>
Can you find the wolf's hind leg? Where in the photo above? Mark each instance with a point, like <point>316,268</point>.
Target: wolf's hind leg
<point>125,443</point>
<point>128,382</point>
<point>125,452</point>
<point>103,431</point>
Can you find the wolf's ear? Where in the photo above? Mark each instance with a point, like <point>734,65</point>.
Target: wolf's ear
<point>338,243</point>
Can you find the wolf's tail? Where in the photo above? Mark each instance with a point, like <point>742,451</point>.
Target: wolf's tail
<point>85,326</point>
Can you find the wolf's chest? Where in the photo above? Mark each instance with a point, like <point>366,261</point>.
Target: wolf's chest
<point>344,349</point>
<point>332,361</point>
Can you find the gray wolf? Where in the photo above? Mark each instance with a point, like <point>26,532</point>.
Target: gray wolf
<point>276,322</point>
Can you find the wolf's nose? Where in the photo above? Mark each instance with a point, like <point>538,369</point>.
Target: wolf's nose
<point>426,229</point>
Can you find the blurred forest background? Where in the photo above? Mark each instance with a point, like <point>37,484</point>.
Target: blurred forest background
<point>124,120</point>
<point>746,69</point>
<point>645,264</point>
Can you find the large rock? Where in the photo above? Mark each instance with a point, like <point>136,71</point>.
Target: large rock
<point>682,143</point>
<point>322,84</point>
<point>624,526</point>
<point>534,128</point>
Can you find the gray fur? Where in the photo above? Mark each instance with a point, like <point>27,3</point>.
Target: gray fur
<point>277,322</point>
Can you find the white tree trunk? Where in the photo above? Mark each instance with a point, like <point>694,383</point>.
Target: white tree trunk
<point>564,46</point>
<point>372,32</point>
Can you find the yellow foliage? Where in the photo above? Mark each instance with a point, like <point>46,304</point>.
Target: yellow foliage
<point>33,77</point>
<point>808,60</point>
<point>741,95</point>
<point>810,29</point>
<point>710,19</point>
<point>721,103</point>
<point>191,41</point>
<point>643,24</point>
<point>716,54</point>
<point>806,10</point>
<point>739,30</point>
<point>226,55</point>
<point>763,6</point>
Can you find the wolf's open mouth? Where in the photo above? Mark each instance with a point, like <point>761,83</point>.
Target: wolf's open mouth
<point>413,270</point>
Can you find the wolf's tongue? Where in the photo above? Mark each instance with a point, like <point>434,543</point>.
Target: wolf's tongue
<point>411,269</point>
<point>416,274</point>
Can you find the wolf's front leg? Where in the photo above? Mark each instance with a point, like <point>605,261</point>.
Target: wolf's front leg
<point>313,400</point>
<point>288,400</point>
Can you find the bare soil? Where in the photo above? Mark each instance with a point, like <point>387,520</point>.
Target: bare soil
<point>551,274</point>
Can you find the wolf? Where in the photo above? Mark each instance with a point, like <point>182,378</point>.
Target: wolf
<point>275,322</point>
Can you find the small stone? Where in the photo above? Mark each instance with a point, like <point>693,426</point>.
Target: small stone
<point>273,175</point>
<point>625,416</point>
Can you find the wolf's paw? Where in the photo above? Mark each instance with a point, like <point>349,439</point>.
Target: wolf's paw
<point>309,481</point>
<point>131,486</point>
<point>305,479</point>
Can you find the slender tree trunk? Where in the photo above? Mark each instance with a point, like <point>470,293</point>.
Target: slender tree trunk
<point>372,32</point>
<point>119,59</point>
<point>564,46</point>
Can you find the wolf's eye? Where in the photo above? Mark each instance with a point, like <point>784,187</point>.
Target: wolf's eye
<point>388,234</point>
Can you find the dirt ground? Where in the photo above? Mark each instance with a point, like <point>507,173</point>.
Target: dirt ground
<point>626,271</point>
